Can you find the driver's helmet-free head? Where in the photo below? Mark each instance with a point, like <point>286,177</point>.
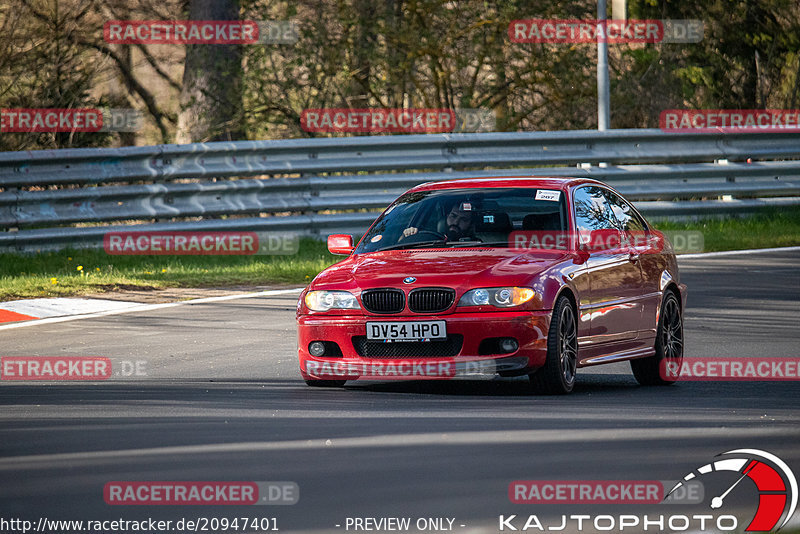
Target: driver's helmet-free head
<point>459,220</point>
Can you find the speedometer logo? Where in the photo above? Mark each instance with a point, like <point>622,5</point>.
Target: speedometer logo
<point>777,485</point>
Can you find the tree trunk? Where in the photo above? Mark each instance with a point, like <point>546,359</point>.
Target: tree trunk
<point>363,53</point>
<point>211,96</point>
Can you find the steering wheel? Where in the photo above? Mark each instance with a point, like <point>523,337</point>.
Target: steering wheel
<point>437,235</point>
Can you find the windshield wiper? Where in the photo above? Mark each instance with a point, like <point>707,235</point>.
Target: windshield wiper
<point>414,245</point>
<point>479,243</point>
<point>443,243</point>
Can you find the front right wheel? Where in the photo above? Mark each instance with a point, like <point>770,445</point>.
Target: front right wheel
<point>557,375</point>
<point>650,371</point>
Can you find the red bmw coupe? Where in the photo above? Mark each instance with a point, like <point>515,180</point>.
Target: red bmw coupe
<point>508,276</point>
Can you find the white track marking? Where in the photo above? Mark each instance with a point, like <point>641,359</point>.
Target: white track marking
<point>492,437</point>
<point>150,307</point>
<point>61,307</point>
<point>736,252</point>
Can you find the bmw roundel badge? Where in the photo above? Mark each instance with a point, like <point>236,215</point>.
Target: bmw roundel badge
<point>409,280</point>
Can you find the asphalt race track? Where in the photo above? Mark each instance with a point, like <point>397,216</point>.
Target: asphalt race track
<point>223,400</point>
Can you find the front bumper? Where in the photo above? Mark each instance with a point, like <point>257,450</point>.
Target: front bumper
<point>528,328</point>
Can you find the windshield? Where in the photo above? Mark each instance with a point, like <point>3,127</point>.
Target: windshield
<point>464,217</point>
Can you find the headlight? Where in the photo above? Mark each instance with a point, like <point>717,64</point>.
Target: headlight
<point>331,300</point>
<point>500,297</point>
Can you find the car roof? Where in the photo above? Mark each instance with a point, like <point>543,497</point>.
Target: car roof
<point>549,182</point>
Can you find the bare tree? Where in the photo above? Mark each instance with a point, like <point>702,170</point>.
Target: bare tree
<point>211,96</point>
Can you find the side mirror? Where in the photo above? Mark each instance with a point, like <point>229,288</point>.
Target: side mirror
<point>340,244</point>
<point>582,254</point>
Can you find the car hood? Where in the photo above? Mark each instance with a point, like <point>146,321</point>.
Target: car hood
<point>476,267</point>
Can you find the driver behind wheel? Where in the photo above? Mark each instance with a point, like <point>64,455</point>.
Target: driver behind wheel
<point>459,223</point>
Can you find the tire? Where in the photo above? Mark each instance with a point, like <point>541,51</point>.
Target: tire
<point>325,383</point>
<point>557,375</point>
<point>669,345</point>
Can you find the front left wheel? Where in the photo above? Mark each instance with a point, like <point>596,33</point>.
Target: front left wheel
<point>557,376</point>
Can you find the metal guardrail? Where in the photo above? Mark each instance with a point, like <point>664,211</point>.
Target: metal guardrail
<point>369,154</point>
<point>665,174</point>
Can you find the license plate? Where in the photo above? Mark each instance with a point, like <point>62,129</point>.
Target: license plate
<point>406,331</point>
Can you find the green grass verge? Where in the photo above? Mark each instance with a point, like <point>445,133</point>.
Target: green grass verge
<point>767,229</point>
<point>74,272</point>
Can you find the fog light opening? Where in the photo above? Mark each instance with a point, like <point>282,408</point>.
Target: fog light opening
<point>509,344</point>
<point>316,348</point>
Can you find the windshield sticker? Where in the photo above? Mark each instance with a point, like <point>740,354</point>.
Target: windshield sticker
<point>466,206</point>
<point>547,194</point>
<point>376,238</point>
